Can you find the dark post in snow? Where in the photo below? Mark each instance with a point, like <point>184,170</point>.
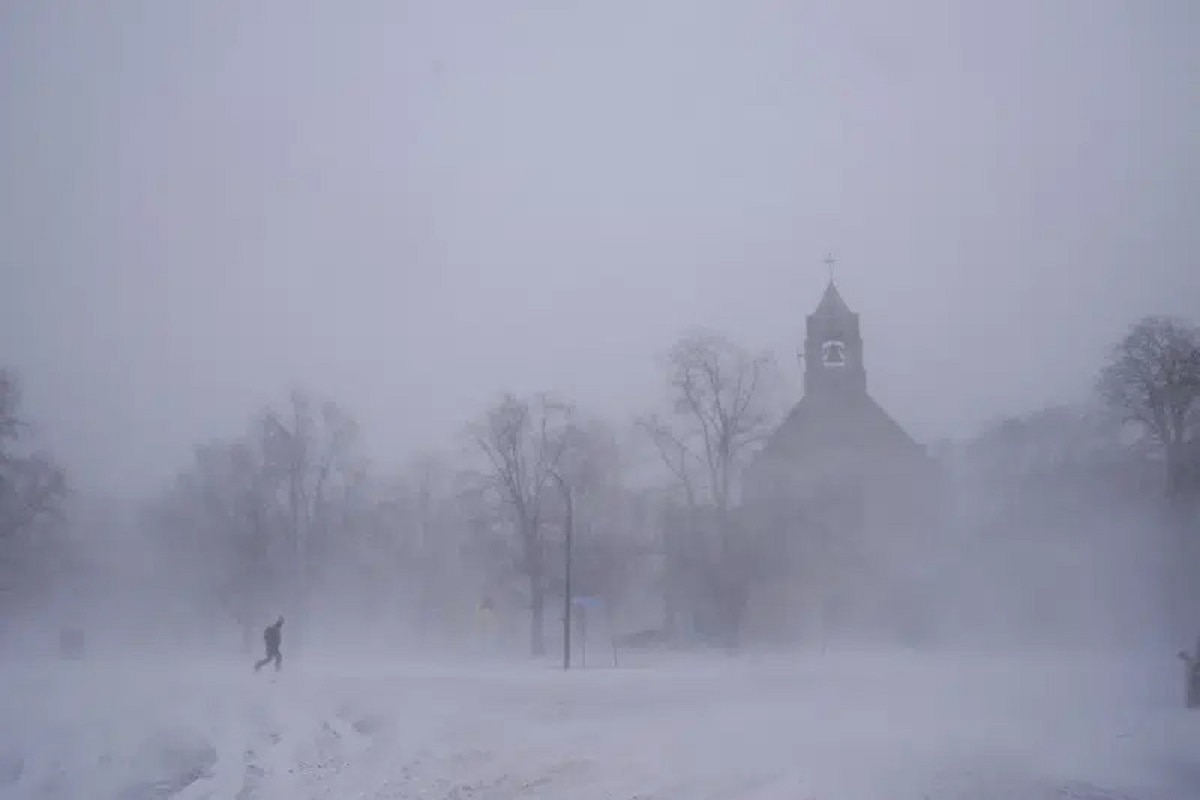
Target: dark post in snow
<point>568,530</point>
<point>1191,676</point>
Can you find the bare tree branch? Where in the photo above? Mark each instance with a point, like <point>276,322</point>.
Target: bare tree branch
<point>719,411</point>
<point>523,442</point>
<point>1153,378</point>
<point>674,453</point>
<point>719,407</point>
<point>32,485</point>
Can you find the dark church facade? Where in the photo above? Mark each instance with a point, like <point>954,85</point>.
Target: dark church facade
<point>847,504</point>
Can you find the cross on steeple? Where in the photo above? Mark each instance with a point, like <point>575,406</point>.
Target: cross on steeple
<point>830,262</point>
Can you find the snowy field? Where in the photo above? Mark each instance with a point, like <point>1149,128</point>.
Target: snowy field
<point>834,727</point>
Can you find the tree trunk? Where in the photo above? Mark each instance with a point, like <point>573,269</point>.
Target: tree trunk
<point>734,613</point>
<point>535,567</point>
<point>670,607</point>
<point>731,580</point>
<point>1176,472</point>
<point>537,613</point>
<point>670,584</point>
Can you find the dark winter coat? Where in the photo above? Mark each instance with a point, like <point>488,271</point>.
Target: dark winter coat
<point>272,636</point>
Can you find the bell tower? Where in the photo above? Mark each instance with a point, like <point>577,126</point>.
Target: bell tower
<point>833,349</point>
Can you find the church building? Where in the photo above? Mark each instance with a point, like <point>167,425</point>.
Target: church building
<point>846,504</point>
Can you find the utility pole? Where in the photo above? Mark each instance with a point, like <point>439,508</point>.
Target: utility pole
<point>568,531</point>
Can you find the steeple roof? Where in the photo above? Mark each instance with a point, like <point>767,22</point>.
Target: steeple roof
<point>832,304</point>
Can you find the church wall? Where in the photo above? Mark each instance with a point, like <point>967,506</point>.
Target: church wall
<point>859,529</point>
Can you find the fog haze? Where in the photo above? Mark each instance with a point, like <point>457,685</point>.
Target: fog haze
<point>465,338</point>
<point>416,205</point>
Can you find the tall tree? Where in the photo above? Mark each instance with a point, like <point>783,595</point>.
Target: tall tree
<point>311,449</point>
<point>1153,377</point>
<point>32,485</point>
<point>261,516</point>
<point>417,542</point>
<point>719,401</point>
<point>218,522</point>
<point>1041,492</point>
<point>523,441</point>
<point>1057,461</point>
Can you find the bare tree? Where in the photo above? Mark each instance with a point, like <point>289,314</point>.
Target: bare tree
<point>256,520</point>
<point>418,506</point>
<point>32,485</point>
<point>607,534</point>
<point>309,451</point>
<point>218,522</point>
<point>1153,377</point>
<point>1058,461</point>
<point>676,456</point>
<point>719,415</point>
<point>523,441</point>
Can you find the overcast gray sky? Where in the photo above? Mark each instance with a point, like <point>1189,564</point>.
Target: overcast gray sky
<point>413,206</point>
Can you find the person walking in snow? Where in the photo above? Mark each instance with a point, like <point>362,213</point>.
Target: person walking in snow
<point>272,635</point>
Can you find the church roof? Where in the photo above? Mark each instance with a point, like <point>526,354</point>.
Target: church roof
<point>820,423</point>
<point>832,303</point>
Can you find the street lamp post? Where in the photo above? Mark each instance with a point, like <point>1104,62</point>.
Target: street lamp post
<point>568,530</point>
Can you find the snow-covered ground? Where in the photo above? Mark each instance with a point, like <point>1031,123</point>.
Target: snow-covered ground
<point>834,727</point>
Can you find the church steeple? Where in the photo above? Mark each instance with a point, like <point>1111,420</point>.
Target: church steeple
<point>832,303</point>
<point>833,349</point>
